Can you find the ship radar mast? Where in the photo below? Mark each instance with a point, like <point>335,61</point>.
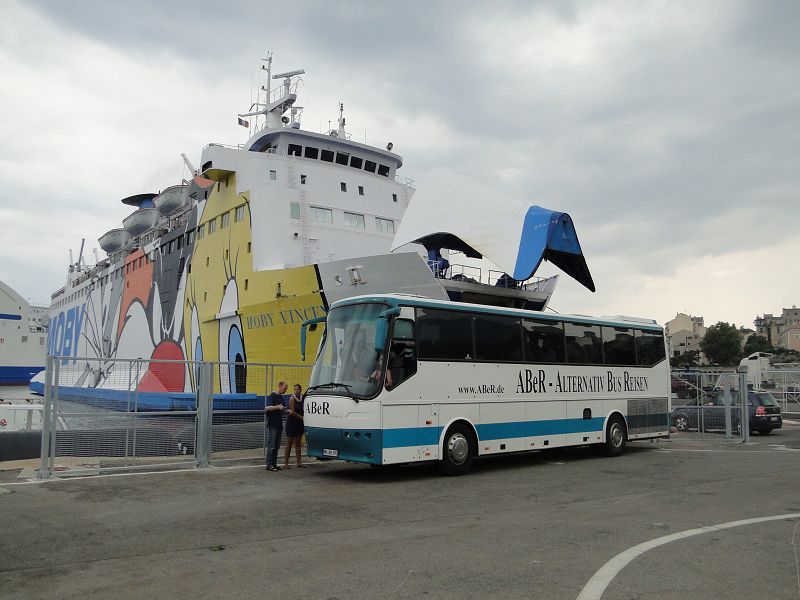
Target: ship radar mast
<point>276,104</point>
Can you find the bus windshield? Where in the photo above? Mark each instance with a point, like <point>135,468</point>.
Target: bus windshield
<point>347,363</point>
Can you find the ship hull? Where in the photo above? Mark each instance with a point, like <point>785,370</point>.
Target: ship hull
<point>18,375</point>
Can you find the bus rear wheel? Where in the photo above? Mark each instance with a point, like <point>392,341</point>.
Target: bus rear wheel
<point>458,450</point>
<point>616,436</point>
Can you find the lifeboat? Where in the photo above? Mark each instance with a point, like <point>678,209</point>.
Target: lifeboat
<point>113,240</point>
<point>172,199</point>
<point>140,221</point>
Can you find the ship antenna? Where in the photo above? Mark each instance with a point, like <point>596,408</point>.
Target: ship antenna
<point>341,120</point>
<point>268,89</point>
<point>189,164</point>
<point>80,254</point>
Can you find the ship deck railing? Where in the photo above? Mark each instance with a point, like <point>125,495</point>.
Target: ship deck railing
<point>474,274</point>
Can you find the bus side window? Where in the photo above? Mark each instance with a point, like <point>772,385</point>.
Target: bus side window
<point>584,344</point>
<point>649,347</point>
<point>402,352</point>
<point>444,335</point>
<point>543,341</point>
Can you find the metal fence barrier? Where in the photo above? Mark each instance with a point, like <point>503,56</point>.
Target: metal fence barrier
<point>711,403</point>
<point>108,415</point>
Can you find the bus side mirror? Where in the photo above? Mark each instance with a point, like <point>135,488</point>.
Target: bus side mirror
<point>312,325</point>
<point>382,328</point>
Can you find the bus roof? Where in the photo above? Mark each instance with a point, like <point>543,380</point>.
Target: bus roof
<point>423,302</point>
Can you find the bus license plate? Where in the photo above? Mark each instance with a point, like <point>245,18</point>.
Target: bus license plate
<point>330,452</point>
<point>774,418</point>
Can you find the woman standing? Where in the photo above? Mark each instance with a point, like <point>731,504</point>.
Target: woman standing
<point>294,426</point>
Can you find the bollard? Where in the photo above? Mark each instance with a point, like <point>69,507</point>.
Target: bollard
<point>204,416</point>
<point>745,415</point>
<point>727,401</point>
<point>48,421</point>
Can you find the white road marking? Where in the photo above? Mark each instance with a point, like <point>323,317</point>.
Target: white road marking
<point>596,586</point>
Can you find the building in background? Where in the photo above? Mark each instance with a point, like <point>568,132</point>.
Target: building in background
<point>781,331</point>
<point>23,335</point>
<point>684,333</point>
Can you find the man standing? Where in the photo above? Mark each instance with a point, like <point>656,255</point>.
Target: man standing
<point>274,410</point>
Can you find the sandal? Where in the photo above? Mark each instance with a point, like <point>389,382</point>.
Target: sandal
<point>273,469</point>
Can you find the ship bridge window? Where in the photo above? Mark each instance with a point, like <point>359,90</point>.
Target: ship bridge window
<point>383,170</point>
<point>303,179</point>
<point>343,186</point>
<point>356,162</point>
<point>323,215</point>
<point>394,197</point>
<point>370,166</point>
<point>294,208</point>
<point>295,150</point>
<point>342,158</point>
<point>361,190</point>
<point>327,156</point>
<point>384,225</point>
<point>354,220</point>
<point>273,175</point>
<point>311,152</point>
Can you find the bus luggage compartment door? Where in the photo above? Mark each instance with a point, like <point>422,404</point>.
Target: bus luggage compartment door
<point>428,432</point>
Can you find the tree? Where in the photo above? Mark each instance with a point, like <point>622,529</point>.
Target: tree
<point>722,345</point>
<point>690,358</point>
<point>756,343</point>
<point>786,355</point>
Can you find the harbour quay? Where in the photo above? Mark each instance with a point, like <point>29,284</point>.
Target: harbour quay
<point>534,525</point>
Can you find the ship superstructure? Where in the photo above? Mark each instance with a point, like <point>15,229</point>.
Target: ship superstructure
<point>23,331</point>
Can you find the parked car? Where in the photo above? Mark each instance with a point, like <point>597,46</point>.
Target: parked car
<point>680,388</point>
<point>765,414</point>
<point>708,413</point>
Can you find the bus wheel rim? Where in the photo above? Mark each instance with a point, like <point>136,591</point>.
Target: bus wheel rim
<point>457,448</point>
<point>616,435</point>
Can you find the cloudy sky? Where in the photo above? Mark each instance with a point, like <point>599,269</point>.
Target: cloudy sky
<point>670,131</point>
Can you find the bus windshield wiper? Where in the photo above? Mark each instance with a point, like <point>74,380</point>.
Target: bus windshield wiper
<point>332,384</point>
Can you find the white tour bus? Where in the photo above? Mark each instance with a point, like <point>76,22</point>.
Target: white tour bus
<point>466,380</point>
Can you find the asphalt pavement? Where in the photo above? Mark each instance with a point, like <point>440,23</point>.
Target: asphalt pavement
<point>525,526</point>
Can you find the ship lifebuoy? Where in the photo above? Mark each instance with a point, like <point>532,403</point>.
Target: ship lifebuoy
<point>3,422</point>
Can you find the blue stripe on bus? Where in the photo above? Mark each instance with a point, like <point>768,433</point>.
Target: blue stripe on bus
<point>518,429</point>
<point>425,436</point>
<point>9,317</point>
<point>411,436</point>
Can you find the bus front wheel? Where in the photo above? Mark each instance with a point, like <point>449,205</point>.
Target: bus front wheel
<point>458,450</point>
<point>616,436</point>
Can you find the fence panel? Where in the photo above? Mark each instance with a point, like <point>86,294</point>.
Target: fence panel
<point>103,414</point>
<point>784,384</point>
<point>99,417</point>
<point>239,421</point>
<point>706,404</point>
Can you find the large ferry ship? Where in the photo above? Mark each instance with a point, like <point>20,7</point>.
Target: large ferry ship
<point>226,265</point>
<point>23,331</point>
